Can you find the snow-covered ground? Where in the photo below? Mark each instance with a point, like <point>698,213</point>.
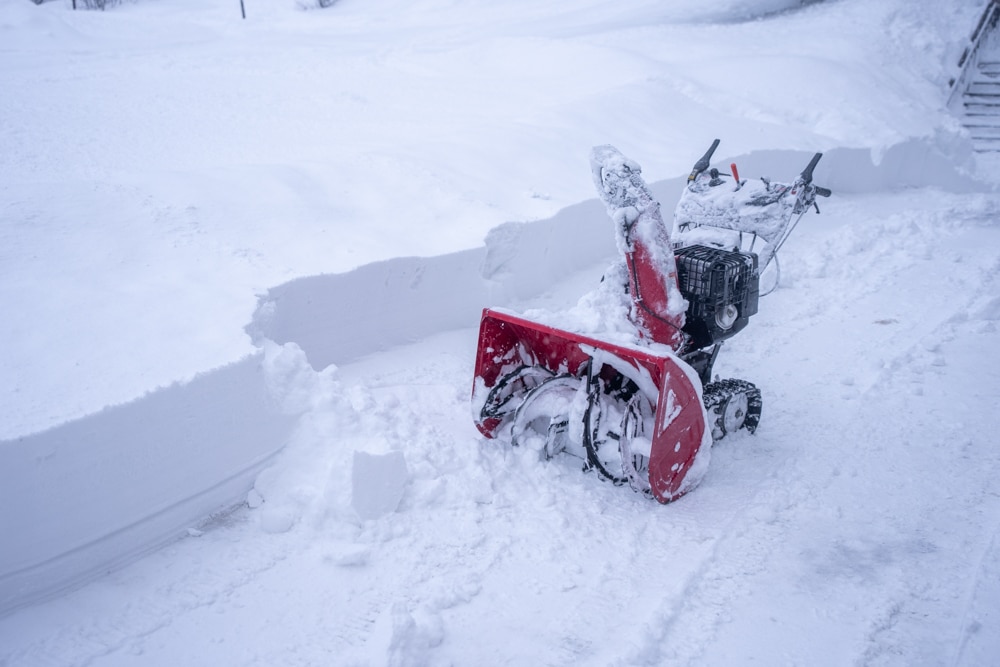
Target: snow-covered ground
<point>251,253</point>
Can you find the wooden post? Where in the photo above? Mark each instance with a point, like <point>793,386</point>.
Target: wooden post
<point>243,9</point>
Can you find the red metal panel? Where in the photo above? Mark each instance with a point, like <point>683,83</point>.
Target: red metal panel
<point>507,342</point>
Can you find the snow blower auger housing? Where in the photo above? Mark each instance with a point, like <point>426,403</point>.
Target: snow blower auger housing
<point>632,413</point>
<point>637,403</point>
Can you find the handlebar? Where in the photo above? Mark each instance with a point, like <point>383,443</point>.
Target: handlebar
<point>703,163</point>
<point>807,176</point>
<point>807,173</point>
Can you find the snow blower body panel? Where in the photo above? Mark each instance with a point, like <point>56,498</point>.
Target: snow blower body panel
<point>509,344</point>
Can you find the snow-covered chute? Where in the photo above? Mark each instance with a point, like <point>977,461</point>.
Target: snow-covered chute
<point>643,411</point>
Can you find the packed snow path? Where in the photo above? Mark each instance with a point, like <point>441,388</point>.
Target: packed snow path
<point>858,526</point>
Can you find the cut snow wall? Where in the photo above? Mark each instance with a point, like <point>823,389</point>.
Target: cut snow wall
<point>92,494</point>
<point>339,318</point>
<point>910,164</point>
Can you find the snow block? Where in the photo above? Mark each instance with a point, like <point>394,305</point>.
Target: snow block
<point>378,482</point>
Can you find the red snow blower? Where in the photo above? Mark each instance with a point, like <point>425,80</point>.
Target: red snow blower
<point>637,403</point>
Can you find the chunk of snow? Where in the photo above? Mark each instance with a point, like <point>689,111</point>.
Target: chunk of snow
<point>276,519</point>
<point>378,482</point>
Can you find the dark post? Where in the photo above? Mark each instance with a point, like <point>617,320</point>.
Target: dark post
<point>243,9</point>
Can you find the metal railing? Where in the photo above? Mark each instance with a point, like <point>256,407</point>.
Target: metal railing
<point>988,21</point>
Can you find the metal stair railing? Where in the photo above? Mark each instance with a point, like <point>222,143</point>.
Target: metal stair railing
<point>988,21</point>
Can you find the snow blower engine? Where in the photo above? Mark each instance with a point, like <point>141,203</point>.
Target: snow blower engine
<point>636,401</point>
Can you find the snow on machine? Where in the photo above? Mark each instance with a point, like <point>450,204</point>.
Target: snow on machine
<point>635,398</point>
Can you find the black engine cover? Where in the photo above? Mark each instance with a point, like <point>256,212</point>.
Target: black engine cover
<point>712,280</point>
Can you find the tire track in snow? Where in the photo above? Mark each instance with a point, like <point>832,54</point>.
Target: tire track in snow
<point>542,541</point>
<point>814,467</point>
<point>677,631</point>
<point>171,586</point>
<point>977,645</point>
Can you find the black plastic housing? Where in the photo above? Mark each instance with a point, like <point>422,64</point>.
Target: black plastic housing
<point>712,279</point>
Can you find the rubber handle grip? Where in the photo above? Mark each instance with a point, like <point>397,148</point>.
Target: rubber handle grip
<point>807,173</point>
<point>705,160</point>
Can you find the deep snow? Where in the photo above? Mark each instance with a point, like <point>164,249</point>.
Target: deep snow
<point>173,181</point>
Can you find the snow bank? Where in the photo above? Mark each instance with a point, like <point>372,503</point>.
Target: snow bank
<point>89,495</point>
<point>341,317</point>
<point>944,163</point>
<point>338,318</point>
